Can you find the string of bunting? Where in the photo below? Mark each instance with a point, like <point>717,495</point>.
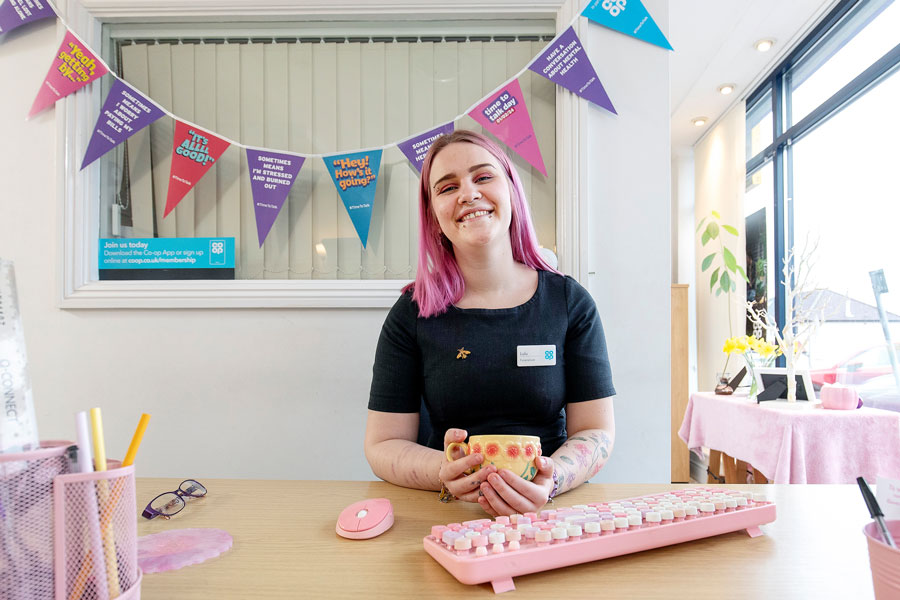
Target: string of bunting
<point>502,112</point>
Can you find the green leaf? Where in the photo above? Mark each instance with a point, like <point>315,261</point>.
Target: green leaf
<point>700,224</point>
<point>707,261</point>
<point>712,230</point>
<point>704,238</point>
<point>730,229</point>
<point>742,274</point>
<point>730,260</point>
<point>713,279</point>
<point>733,287</point>
<point>604,452</point>
<point>716,215</point>
<point>725,281</point>
<point>718,291</point>
<point>566,459</point>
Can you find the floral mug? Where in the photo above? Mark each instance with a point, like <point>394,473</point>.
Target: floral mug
<point>518,453</point>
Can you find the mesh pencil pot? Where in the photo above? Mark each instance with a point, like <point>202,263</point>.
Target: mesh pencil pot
<point>26,520</point>
<point>95,537</point>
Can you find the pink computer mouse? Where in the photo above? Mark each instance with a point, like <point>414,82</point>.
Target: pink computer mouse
<point>365,519</point>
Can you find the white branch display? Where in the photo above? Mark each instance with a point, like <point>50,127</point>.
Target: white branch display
<point>801,320</point>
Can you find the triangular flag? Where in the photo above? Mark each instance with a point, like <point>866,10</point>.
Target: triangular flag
<point>565,63</point>
<point>193,153</point>
<point>73,67</point>
<point>633,20</point>
<point>356,175</point>
<point>271,177</point>
<point>416,147</point>
<point>15,13</point>
<point>505,115</point>
<point>125,112</point>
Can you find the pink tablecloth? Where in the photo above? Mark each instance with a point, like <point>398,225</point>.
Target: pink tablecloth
<point>796,445</point>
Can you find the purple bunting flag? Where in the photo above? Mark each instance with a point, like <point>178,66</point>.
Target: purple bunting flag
<point>272,175</point>
<point>125,112</point>
<point>15,13</point>
<point>415,148</point>
<point>565,63</point>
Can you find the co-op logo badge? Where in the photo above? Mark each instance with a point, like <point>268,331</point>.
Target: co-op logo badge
<point>217,252</point>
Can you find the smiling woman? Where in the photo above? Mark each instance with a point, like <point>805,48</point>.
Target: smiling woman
<point>492,339</point>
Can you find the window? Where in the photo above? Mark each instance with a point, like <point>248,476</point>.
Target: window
<point>309,95</point>
<point>300,273</point>
<point>829,170</point>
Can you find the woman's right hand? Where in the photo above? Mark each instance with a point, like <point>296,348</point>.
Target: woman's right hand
<point>453,473</point>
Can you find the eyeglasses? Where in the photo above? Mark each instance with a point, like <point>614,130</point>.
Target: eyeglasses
<point>171,503</point>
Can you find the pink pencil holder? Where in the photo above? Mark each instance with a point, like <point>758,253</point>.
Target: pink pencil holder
<point>53,524</point>
<point>884,561</point>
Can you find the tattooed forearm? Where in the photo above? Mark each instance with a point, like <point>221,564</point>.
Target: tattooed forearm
<point>581,457</point>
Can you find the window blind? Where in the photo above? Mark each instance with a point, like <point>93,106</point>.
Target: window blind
<point>319,95</point>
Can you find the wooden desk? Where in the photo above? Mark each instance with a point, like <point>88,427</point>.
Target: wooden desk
<point>285,547</point>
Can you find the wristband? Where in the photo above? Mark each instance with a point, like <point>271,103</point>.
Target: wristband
<point>555,484</point>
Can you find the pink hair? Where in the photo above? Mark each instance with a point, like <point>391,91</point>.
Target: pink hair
<point>439,282</point>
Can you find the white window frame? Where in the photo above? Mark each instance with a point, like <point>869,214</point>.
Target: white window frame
<point>75,117</point>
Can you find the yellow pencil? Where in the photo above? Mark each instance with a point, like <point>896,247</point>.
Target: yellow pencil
<point>136,440</point>
<point>109,539</point>
<point>99,445</point>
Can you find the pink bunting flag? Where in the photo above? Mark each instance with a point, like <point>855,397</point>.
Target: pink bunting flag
<point>73,67</point>
<point>505,115</point>
<point>194,151</point>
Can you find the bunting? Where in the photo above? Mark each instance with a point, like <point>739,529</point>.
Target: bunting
<point>194,151</point>
<point>355,175</point>
<point>74,67</point>
<point>628,17</point>
<point>272,175</point>
<point>505,115</point>
<point>125,112</point>
<point>565,63</point>
<point>15,13</point>
<point>416,147</point>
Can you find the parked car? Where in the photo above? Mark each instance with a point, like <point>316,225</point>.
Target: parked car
<point>857,368</point>
<point>880,392</point>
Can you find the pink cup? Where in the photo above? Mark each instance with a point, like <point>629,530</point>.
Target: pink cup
<point>884,560</point>
<point>839,397</point>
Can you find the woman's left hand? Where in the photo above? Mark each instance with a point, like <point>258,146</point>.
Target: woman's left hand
<point>505,493</point>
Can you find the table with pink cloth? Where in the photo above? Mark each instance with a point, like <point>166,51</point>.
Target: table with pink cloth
<point>796,445</point>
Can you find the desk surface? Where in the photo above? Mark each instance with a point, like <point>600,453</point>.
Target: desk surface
<point>285,546</point>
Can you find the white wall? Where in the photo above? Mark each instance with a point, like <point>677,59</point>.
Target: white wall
<point>282,393</point>
<point>683,242</point>
<point>630,251</point>
<point>720,168</point>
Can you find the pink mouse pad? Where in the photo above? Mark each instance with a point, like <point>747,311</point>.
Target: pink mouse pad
<point>178,548</point>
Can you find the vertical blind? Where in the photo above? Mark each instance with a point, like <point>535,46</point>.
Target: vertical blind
<point>324,97</point>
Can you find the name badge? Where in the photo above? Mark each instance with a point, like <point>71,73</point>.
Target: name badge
<point>536,356</point>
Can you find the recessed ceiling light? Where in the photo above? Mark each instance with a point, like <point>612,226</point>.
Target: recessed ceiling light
<point>726,88</point>
<point>764,45</point>
<point>699,121</point>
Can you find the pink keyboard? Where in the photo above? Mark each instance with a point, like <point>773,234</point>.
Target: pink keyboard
<point>496,550</point>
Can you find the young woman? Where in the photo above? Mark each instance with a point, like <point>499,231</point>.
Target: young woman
<point>482,291</point>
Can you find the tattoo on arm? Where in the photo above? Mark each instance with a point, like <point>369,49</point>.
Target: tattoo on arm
<point>581,457</point>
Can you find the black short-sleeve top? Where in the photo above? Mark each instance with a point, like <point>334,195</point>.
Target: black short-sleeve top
<point>486,392</point>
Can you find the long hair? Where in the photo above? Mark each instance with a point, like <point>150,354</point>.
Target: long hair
<point>439,282</point>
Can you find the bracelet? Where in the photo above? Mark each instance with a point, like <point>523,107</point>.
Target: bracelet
<point>555,485</point>
<point>445,495</point>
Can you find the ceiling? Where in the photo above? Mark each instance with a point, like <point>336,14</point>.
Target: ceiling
<point>714,44</point>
